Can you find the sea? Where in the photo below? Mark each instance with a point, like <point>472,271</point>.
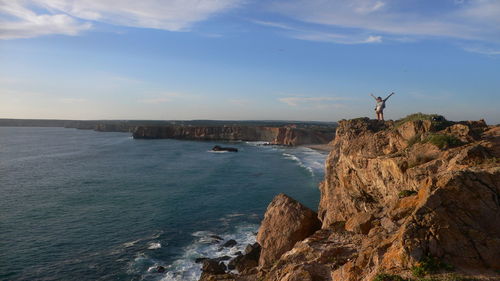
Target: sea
<point>86,205</point>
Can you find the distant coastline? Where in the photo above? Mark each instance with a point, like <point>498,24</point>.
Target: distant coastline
<point>290,133</point>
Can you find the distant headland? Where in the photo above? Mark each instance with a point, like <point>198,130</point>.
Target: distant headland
<point>272,132</point>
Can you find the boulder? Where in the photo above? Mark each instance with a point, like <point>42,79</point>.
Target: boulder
<point>249,260</point>
<point>286,222</point>
<point>213,266</point>
<point>230,243</point>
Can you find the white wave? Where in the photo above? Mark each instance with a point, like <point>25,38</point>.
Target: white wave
<point>186,269</point>
<point>307,158</point>
<point>212,151</point>
<point>257,143</point>
<point>131,243</point>
<point>299,162</point>
<point>154,245</point>
<point>235,215</point>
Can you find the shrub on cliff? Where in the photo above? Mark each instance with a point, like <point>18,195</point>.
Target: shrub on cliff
<point>406,193</point>
<point>438,121</point>
<point>429,265</point>
<point>443,141</point>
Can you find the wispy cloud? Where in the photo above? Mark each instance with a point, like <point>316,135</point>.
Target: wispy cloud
<point>483,50</point>
<point>70,17</point>
<point>470,20</point>
<point>20,22</point>
<point>337,38</point>
<point>321,36</point>
<point>316,101</point>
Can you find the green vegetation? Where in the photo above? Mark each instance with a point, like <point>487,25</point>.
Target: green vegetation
<point>438,121</point>
<point>450,277</point>
<point>416,117</point>
<point>443,141</point>
<point>429,265</point>
<point>389,277</point>
<point>406,193</point>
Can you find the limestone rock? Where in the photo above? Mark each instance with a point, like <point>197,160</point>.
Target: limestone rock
<point>285,135</point>
<point>286,222</point>
<point>360,223</point>
<point>369,226</point>
<point>455,216</point>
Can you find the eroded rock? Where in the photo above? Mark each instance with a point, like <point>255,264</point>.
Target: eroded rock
<point>286,222</point>
<point>360,223</point>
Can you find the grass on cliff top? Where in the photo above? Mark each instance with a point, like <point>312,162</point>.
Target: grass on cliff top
<point>417,116</point>
<point>438,121</point>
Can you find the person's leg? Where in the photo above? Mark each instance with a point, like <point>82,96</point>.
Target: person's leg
<point>378,115</point>
<point>382,115</point>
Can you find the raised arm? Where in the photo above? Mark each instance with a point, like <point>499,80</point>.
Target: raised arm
<point>389,96</point>
<point>373,96</point>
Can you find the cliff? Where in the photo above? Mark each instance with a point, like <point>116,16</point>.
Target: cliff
<point>408,200</point>
<point>286,135</point>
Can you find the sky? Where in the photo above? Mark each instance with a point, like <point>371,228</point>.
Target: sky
<point>249,60</point>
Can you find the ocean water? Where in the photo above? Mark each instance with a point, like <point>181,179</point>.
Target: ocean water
<point>84,205</point>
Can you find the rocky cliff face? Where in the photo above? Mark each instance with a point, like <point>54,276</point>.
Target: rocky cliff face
<point>409,199</point>
<point>432,189</point>
<point>275,135</point>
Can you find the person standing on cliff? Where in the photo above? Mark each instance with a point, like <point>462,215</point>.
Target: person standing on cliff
<point>379,108</point>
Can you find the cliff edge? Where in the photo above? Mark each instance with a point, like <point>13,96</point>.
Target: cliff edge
<point>416,199</point>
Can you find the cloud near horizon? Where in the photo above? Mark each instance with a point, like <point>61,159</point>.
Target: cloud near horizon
<point>32,18</point>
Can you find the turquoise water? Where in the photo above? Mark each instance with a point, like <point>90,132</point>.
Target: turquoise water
<point>83,205</point>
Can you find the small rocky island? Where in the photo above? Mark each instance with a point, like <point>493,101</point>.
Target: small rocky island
<point>416,199</point>
<point>222,148</point>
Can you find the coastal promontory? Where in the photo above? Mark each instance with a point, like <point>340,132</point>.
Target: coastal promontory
<point>416,199</point>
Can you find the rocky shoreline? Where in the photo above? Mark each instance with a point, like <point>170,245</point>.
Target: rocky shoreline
<point>409,200</point>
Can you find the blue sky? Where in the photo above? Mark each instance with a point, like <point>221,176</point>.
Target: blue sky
<point>243,59</point>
